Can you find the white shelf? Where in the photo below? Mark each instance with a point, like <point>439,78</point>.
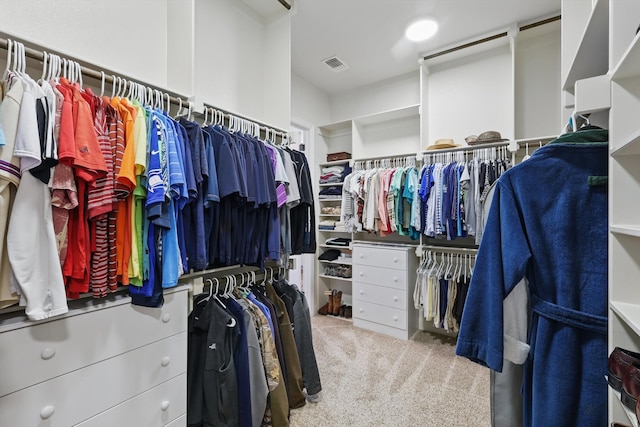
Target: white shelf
<point>628,313</point>
<point>629,65</point>
<point>389,115</point>
<point>344,279</point>
<point>333,231</point>
<point>331,215</point>
<point>332,199</point>
<point>628,230</point>
<point>331,184</point>
<point>334,262</point>
<point>592,56</point>
<point>335,247</point>
<point>630,148</point>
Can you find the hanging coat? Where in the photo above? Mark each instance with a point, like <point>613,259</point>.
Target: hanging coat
<point>548,223</point>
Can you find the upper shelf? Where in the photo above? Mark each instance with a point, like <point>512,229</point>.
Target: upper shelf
<point>629,65</point>
<point>592,55</point>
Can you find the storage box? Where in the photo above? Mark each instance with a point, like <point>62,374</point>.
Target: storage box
<point>332,157</point>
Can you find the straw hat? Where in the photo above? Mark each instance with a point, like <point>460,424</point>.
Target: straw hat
<point>443,143</point>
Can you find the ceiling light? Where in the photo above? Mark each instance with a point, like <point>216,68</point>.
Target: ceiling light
<point>421,30</point>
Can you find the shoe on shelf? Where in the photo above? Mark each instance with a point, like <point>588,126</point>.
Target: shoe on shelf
<point>348,312</point>
<point>324,310</point>
<point>619,361</point>
<point>330,308</point>
<point>337,302</point>
<point>630,386</point>
<point>341,312</point>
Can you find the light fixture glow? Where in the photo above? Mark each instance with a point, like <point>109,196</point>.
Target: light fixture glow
<point>421,30</point>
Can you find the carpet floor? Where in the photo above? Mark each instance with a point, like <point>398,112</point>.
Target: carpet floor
<point>370,379</point>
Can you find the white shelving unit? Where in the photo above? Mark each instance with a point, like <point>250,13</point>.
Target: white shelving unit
<point>624,188</point>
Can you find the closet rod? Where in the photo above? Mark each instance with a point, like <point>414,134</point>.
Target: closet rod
<point>285,4</point>
<point>387,157</point>
<point>489,38</point>
<point>537,24</point>
<point>263,126</point>
<point>436,248</point>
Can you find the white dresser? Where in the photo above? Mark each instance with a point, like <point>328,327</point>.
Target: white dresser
<point>107,364</point>
<point>383,281</point>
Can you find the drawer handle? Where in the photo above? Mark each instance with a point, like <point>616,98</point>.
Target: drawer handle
<point>361,274</point>
<point>395,299</point>
<point>47,412</point>
<point>166,317</point>
<point>48,353</point>
<point>165,361</point>
<point>361,310</point>
<point>165,405</point>
<point>395,279</point>
<point>395,260</point>
<point>361,292</point>
<point>395,318</point>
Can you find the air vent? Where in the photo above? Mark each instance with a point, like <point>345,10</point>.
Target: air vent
<point>335,64</point>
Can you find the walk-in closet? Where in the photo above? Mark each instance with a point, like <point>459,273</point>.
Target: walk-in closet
<point>251,213</point>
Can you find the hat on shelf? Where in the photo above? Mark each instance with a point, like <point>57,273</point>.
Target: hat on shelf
<point>485,137</point>
<point>443,143</point>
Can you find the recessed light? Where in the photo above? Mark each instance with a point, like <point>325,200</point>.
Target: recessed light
<point>421,30</point>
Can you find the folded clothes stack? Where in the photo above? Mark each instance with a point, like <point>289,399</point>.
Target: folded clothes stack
<point>338,241</point>
<point>332,192</point>
<point>327,225</point>
<point>332,174</point>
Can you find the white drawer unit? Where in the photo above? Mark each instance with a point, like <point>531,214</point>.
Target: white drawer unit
<point>89,365</point>
<point>383,279</point>
<point>156,407</point>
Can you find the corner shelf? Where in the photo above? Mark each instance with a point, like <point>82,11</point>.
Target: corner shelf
<point>591,58</point>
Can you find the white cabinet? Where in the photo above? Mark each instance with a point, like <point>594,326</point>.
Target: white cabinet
<point>383,279</point>
<point>85,366</point>
<point>624,187</point>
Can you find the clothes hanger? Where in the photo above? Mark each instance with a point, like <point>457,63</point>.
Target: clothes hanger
<point>8,66</point>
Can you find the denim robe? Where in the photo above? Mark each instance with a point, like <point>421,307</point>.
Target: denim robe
<point>548,223</point>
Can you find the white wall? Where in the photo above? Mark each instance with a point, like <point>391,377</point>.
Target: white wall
<point>308,102</point>
<point>232,49</point>
<point>538,86</point>
<point>127,37</point>
<point>386,95</point>
<point>471,95</point>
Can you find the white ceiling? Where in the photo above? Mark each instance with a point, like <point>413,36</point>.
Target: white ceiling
<point>368,35</point>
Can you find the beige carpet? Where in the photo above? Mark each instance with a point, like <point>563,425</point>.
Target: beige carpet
<point>370,379</point>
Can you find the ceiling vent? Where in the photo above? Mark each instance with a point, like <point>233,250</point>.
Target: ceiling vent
<point>335,64</point>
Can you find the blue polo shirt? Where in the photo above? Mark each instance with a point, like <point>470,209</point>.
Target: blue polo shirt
<point>193,214</point>
<point>229,189</point>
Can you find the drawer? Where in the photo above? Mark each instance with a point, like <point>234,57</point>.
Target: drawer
<point>388,316</point>
<point>390,297</point>
<point>80,395</point>
<point>178,422</point>
<point>380,257</point>
<point>155,407</point>
<point>45,350</point>
<point>380,276</point>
